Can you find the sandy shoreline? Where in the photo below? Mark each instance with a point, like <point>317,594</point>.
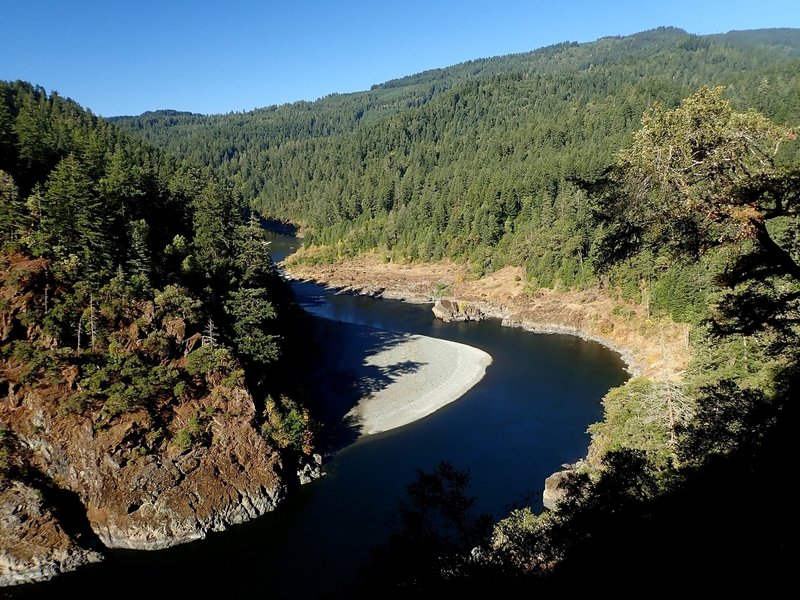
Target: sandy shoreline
<point>655,347</point>
<point>382,380</point>
<point>447,370</point>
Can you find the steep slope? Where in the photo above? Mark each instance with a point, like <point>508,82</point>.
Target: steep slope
<point>476,162</point>
<point>142,331</point>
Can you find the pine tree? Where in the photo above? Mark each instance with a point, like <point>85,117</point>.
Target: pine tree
<point>13,214</point>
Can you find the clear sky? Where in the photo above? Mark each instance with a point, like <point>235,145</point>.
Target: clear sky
<point>116,57</point>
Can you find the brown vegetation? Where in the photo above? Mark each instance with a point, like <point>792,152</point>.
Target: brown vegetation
<point>656,347</point>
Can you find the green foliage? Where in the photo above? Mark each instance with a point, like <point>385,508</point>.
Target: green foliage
<point>208,361</point>
<point>437,530</point>
<point>125,381</point>
<point>191,435</point>
<point>698,189</point>
<point>525,542</point>
<point>474,162</point>
<point>695,177</point>
<point>37,364</point>
<point>183,439</point>
<point>681,291</point>
<point>214,221</point>
<point>13,216</point>
<point>642,415</point>
<point>252,314</point>
<point>179,389</point>
<point>176,302</point>
<point>252,254</point>
<point>287,425</point>
<point>729,418</point>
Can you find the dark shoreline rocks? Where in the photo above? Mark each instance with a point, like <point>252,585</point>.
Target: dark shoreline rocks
<point>34,545</point>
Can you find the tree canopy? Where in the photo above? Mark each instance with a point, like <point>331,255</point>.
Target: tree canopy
<point>117,256</point>
<point>699,176</point>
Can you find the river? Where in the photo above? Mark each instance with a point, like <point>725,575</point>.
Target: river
<point>521,422</point>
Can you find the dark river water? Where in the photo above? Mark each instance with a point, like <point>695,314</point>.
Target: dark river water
<point>520,423</point>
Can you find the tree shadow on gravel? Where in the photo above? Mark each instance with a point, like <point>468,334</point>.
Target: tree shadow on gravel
<point>343,375</point>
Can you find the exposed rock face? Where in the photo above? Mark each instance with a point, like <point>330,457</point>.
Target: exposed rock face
<point>134,496</point>
<point>140,467</point>
<point>33,544</point>
<point>553,492</point>
<point>311,470</point>
<point>448,311</point>
<point>141,499</point>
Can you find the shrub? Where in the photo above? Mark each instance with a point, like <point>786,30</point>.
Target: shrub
<point>287,425</point>
<point>207,359</point>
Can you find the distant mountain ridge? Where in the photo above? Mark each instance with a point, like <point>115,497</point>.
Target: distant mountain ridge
<point>472,162</point>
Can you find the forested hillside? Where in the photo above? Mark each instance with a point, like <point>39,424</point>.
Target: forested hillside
<point>475,162</point>
<point>661,168</point>
<point>142,323</point>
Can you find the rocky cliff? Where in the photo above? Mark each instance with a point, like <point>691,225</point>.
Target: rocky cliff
<point>450,310</point>
<point>34,545</point>
<point>136,490</point>
<point>125,461</point>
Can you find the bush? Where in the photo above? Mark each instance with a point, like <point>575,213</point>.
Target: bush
<point>207,360</point>
<point>191,434</point>
<point>287,425</point>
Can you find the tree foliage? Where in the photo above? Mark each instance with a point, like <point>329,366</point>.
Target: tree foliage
<point>437,530</point>
<point>475,162</point>
<point>117,256</point>
<point>696,177</point>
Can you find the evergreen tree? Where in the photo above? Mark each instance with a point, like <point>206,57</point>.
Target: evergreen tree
<point>74,220</point>
<point>13,214</point>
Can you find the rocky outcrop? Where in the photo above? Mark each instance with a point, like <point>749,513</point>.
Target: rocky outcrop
<point>554,493</point>
<point>153,497</point>
<point>310,469</point>
<point>556,486</point>
<point>137,487</point>
<point>449,310</point>
<point>116,448</point>
<point>34,546</point>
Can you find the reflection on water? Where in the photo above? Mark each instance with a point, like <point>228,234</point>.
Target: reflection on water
<point>525,419</point>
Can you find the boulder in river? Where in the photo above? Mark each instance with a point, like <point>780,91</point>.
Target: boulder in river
<point>554,493</point>
<point>450,310</point>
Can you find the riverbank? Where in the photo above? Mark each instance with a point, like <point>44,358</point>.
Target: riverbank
<point>656,348</point>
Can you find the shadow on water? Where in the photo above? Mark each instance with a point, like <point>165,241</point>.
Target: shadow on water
<point>348,370</point>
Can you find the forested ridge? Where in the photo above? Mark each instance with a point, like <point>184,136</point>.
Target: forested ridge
<point>475,162</point>
<point>661,167</point>
<point>141,321</point>
<point>116,223</point>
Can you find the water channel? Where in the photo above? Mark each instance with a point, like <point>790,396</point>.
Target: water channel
<point>521,422</point>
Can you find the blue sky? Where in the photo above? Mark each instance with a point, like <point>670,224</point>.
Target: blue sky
<point>117,57</point>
